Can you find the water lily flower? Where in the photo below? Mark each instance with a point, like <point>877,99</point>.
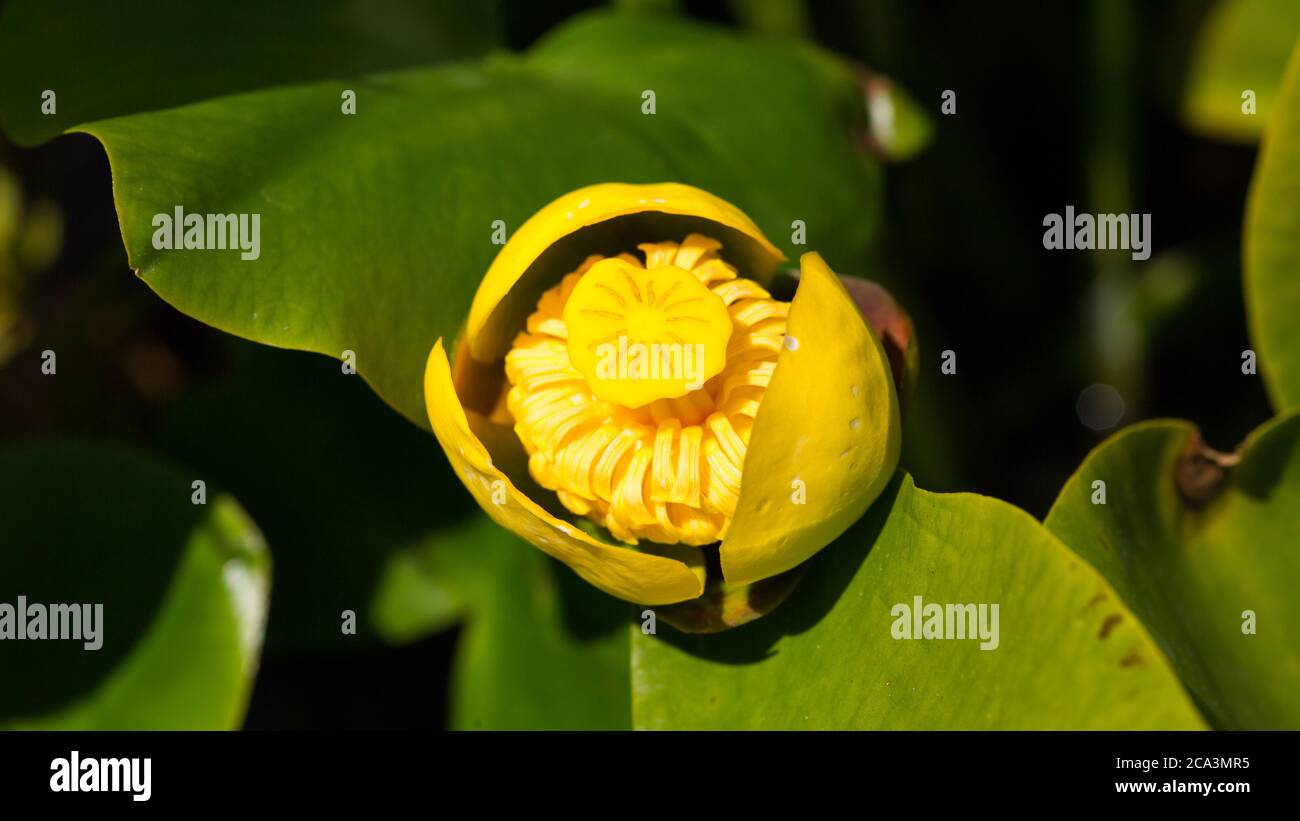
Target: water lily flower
<point>629,397</point>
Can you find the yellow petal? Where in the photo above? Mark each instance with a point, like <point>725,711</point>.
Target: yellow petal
<point>826,438</point>
<point>534,256</point>
<point>622,572</point>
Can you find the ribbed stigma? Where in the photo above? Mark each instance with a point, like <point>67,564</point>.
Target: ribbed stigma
<point>667,470</point>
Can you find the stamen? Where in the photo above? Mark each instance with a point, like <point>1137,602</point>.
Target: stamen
<point>650,459</point>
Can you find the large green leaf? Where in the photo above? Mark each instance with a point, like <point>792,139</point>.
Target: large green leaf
<point>1272,247</point>
<point>1069,653</point>
<point>376,228</point>
<point>183,589</point>
<point>1243,45</point>
<point>104,60</point>
<point>1191,570</point>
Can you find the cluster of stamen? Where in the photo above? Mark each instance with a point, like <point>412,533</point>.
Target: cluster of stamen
<point>635,386</point>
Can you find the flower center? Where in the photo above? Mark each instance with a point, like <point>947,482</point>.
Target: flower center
<point>635,386</point>
<point>639,335</point>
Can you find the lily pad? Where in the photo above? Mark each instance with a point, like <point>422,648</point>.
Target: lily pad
<point>1272,248</point>
<point>1068,654</point>
<point>375,228</point>
<point>182,589</point>
<point>1202,547</point>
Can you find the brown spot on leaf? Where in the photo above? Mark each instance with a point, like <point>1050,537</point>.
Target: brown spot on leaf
<point>1094,601</point>
<point>1108,624</point>
<point>1133,659</point>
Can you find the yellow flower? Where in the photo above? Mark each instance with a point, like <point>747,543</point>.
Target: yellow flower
<point>624,372</point>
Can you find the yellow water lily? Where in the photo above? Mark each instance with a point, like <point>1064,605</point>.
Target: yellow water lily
<point>628,396</point>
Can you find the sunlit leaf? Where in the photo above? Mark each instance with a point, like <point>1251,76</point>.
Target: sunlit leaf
<point>1068,653</point>
<point>1204,552</point>
<point>1242,47</point>
<point>1272,249</point>
<point>375,228</point>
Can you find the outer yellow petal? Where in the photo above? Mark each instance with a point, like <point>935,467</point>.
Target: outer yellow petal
<point>622,572</point>
<point>534,257</point>
<point>827,435</point>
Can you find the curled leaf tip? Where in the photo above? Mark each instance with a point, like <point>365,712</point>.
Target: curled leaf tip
<point>1201,471</point>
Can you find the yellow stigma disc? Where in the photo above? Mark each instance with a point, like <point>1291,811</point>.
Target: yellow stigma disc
<point>640,334</point>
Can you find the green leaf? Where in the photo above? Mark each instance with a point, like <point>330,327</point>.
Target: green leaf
<point>420,589</point>
<point>542,649</point>
<point>1243,45</point>
<point>183,588</point>
<point>1272,248</point>
<point>375,229</point>
<point>1069,653</point>
<point>1190,570</point>
<point>343,487</point>
<point>105,60</point>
